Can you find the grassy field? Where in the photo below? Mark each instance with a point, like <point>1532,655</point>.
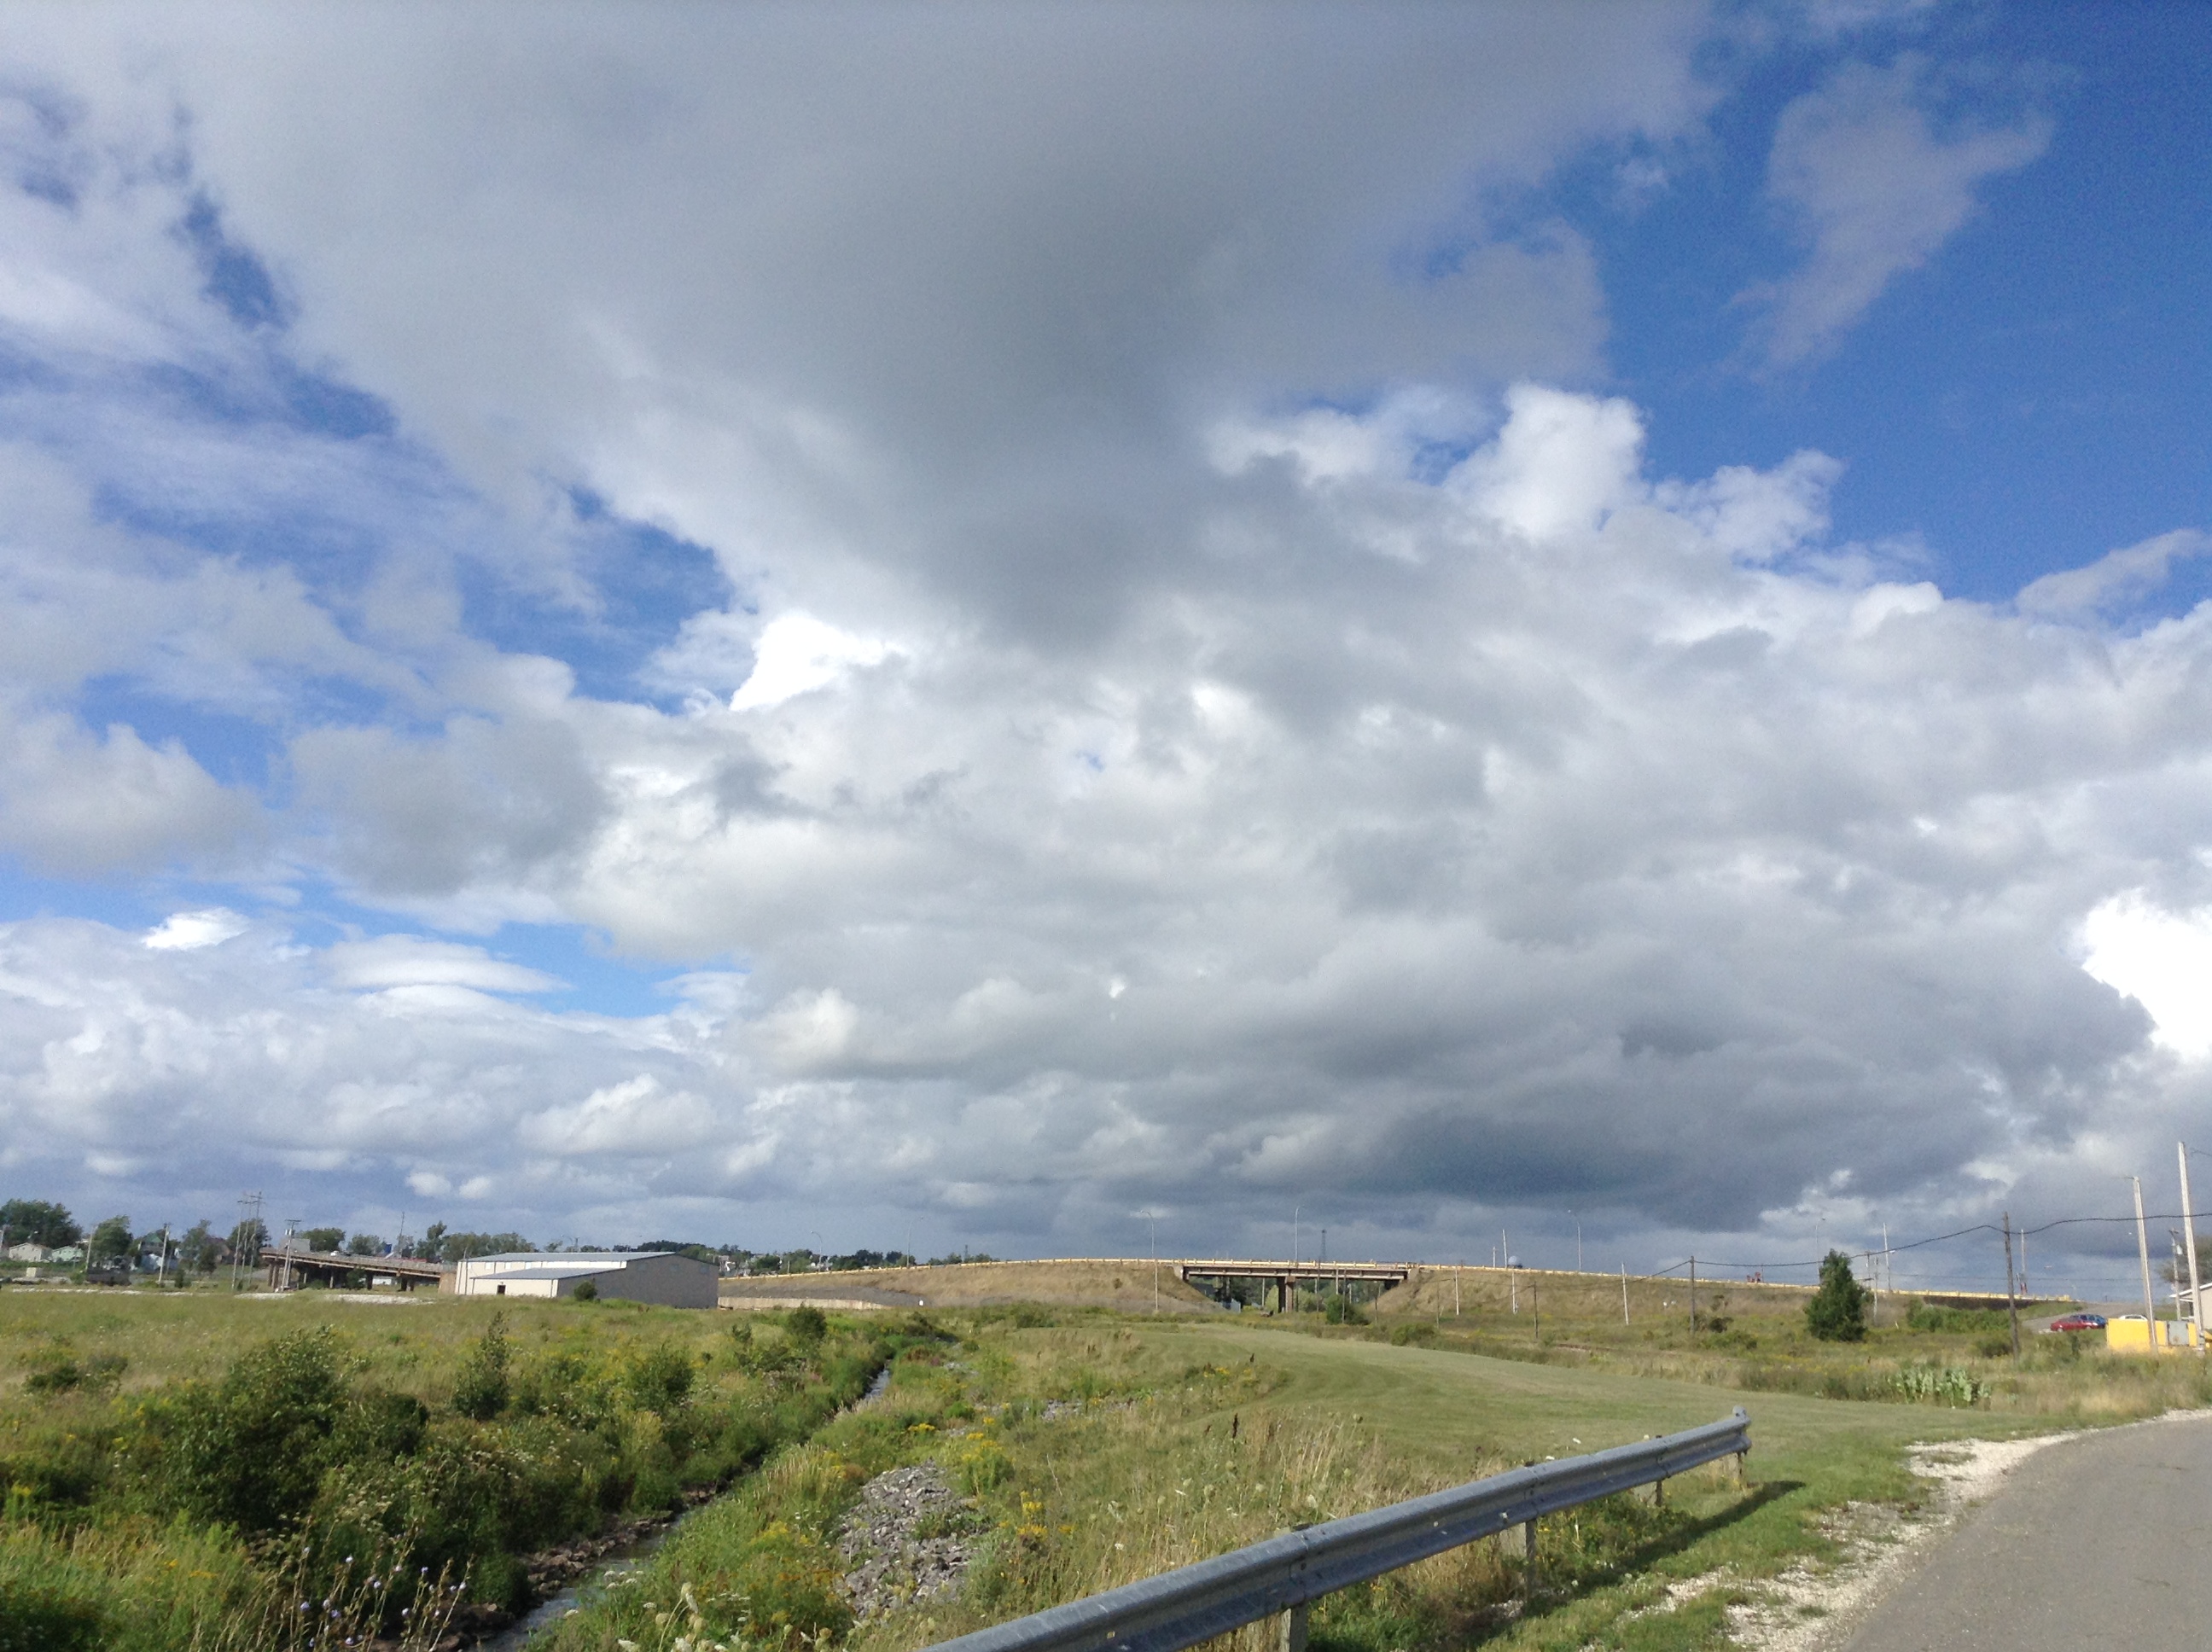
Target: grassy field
<point>1089,1448</point>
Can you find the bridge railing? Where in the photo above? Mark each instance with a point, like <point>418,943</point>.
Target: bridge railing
<point>1286,1574</point>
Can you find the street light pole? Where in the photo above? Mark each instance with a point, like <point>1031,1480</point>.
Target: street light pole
<point>2188,1235</point>
<point>2143,1246</point>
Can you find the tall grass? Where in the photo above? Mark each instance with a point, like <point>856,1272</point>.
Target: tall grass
<point>312,1486</point>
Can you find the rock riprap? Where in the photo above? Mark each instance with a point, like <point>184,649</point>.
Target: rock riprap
<point>909,1538</point>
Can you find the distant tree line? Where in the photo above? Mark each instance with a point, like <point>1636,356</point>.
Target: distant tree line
<point>200,1249</point>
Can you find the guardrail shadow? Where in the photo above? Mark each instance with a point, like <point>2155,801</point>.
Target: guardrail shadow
<point>1557,1592</point>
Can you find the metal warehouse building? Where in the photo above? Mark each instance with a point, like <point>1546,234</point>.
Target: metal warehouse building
<point>653,1276</point>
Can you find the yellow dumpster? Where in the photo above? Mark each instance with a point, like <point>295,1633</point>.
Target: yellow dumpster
<point>2131,1333</point>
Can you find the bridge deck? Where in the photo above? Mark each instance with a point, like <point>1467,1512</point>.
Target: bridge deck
<point>288,1268</point>
<point>1304,1272</point>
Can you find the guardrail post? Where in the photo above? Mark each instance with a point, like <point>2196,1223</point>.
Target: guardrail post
<point>1528,1562</point>
<point>1659,1493</point>
<point>1294,1628</point>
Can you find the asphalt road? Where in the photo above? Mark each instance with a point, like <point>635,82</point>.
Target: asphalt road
<point>2105,1542</point>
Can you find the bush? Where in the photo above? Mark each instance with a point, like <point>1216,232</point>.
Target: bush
<point>586,1290</point>
<point>1953,1385</point>
<point>1339,1309</point>
<point>660,1378</point>
<point>1837,1312</point>
<point>805,1326</point>
<point>481,1392</point>
<point>43,1617</point>
<point>250,1451</point>
<point>1970,1321</point>
<point>58,1370</point>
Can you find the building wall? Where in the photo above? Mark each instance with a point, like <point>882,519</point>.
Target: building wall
<point>665,1280</point>
<point>669,1280</point>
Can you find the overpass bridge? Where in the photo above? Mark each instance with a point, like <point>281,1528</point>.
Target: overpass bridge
<point>290,1269</point>
<point>1217,1278</point>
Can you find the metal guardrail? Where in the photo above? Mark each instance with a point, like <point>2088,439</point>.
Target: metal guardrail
<point>1284,1574</point>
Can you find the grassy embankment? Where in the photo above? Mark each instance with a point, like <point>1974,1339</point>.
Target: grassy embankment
<point>1753,1337</point>
<point>183,1469</point>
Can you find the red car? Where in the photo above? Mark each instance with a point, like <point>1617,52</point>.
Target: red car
<point>2079,1323</point>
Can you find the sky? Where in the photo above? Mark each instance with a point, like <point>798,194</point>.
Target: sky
<point>1020,627</point>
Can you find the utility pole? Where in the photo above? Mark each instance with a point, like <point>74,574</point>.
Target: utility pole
<point>249,1230</point>
<point>1624,1293</point>
<point>2142,1249</point>
<point>2189,1236</point>
<point>2012,1298</point>
<point>161,1269</point>
<point>1578,1241</point>
<point>1536,1311</point>
<point>1693,1295</point>
<point>1456,1272</point>
<point>1294,1236</point>
<point>1155,1219</point>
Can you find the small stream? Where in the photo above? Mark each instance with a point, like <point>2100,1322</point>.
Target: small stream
<point>614,1565</point>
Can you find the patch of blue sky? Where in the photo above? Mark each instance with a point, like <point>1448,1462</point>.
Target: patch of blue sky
<point>126,901</point>
<point>42,172</point>
<point>600,983</point>
<point>274,392</point>
<point>2022,403</point>
<point>236,749</point>
<point>234,275</point>
<point>643,583</point>
<point>333,552</point>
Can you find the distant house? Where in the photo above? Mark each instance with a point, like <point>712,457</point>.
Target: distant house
<point>29,1253</point>
<point>650,1276</point>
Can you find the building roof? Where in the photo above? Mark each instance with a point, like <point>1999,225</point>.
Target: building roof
<point>568,1272</point>
<point>603,1259</point>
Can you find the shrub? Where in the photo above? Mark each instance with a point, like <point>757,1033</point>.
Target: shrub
<point>1837,1312</point>
<point>40,1617</point>
<point>805,1326</point>
<point>481,1392</point>
<point>1339,1309</point>
<point>250,1451</point>
<point>1953,1385</point>
<point>58,1370</point>
<point>1985,1322</point>
<point>586,1290</point>
<point>660,1378</point>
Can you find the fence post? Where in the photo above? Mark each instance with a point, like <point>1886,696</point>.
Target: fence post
<point>1294,1628</point>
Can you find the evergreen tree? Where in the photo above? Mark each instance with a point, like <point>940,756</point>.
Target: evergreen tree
<point>1838,1310</point>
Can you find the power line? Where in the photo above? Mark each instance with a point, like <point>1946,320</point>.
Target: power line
<point>1941,1238</point>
